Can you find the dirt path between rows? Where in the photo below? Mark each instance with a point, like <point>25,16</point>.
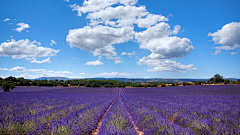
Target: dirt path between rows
<point>95,132</point>
<point>134,125</point>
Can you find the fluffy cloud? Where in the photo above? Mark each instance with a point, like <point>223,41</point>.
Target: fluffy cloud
<point>129,54</point>
<point>25,49</point>
<point>159,41</point>
<point>82,73</point>
<point>48,73</point>
<point>165,65</point>
<point>116,74</point>
<point>96,5</point>
<point>22,26</point>
<point>234,53</point>
<point>168,47</point>
<point>157,31</point>
<point>228,37</point>
<point>42,61</point>
<point>111,25</point>
<point>176,29</point>
<point>92,38</point>
<point>53,42</point>
<point>43,72</point>
<point>99,39</point>
<point>121,13</point>
<point>117,60</point>
<point>94,63</point>
<point>138,16</point>
<point>7,19</point>
<point>40,72</point>
<point>15,69</point>
<point>150,20</point>
<point>67,0</point>
<point>124,53</point>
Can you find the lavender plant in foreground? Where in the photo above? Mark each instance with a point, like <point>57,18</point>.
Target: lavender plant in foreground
<point>45,112</point>
<point>117,121</point>
<point>152,123</point>
<point>170,110</point>
<point>204,109</point>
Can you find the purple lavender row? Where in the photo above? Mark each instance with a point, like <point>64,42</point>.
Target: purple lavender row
<point>202,113</point>
<point>197,124</point>
<point>152,123</point>
<point>30,123</point>
<point>205,116</point>
<point>28,108</point>
<point>117,121</point>
<point>79,122</point>
<point>221,118</point>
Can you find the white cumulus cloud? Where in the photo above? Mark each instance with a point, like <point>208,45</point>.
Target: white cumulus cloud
<point>82,73</point>
<point>234,53</point>
<point>53,42</point>
<point>125,16</point>
<point>94,63</point>
<point>129,54</point>
<point>150,20</point>
<point>176,29</point>
<point>40,72</point>
<point>22,26</point>
<point>228,37</point>
<point>25,49</point>
<point>116,74</point>
<point>47,60</point>
<point>165,65</point>
<point>96,5</point>
<point>157,31</point>
<point>15,69</point>
<point>168,47</point>
<point>7,19</point>
<point>113,21</point>
<point>99,39</point>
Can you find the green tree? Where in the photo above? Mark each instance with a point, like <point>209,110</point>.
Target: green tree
<point>226,81</point>
<point>217,78</point>
<point>6,85</point>
<point>10,78</point>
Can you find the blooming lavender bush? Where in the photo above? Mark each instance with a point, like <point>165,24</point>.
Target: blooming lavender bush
<point>166,110</point>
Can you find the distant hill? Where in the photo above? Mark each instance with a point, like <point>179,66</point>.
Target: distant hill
<point>52,78</point>
<point>137,80</point>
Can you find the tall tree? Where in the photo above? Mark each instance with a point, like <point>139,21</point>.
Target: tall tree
<point>6,85</point>
<point>217,78</point>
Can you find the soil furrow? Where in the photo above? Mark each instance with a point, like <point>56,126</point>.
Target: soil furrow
<point>95,132</point>
<point>134,125</point>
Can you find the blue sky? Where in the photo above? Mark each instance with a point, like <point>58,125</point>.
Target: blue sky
<point>119,38</point>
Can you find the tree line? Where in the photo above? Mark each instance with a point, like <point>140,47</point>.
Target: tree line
<point>10,83</point>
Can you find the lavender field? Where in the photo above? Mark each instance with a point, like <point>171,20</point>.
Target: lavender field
<point>127,111</point>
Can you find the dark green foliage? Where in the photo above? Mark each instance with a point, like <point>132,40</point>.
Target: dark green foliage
<point>87,85</point>
<point>7,85</point>
<point>226,81</point>
<point>184,84</point>
<point>163,85</point>
<point>198,83</point>
<point>22,82</point>
<point>64,84</point>
<point>10,78</point>
<point>217,78</point>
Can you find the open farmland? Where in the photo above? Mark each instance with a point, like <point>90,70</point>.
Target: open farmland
<point>167,110</point>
